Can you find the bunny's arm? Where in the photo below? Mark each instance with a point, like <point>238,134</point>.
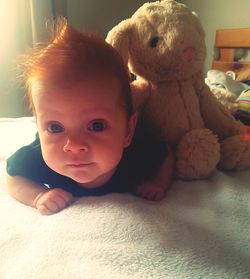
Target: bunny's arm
<point>140,90</point>
<point>216,117</point>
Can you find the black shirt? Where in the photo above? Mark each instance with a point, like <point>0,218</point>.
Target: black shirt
<point>139,162</point>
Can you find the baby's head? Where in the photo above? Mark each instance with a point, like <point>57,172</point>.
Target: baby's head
<point>72,57</point>
<point>79,90</point>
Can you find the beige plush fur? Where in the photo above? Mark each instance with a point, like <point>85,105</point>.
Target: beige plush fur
<point>163,44</point>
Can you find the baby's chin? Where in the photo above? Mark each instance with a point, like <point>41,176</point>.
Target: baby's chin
<point>88,176</point>
<point>98,181</point>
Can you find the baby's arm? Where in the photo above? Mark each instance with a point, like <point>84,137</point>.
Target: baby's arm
<point>155,189</point>
<point>46,201</point>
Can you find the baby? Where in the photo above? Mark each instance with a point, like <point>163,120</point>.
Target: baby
<point>79,91</point>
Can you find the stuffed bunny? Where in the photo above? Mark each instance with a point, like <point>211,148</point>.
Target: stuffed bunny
<point>164,46</point>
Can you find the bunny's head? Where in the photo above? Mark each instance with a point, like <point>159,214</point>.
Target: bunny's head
<point>162,41</point>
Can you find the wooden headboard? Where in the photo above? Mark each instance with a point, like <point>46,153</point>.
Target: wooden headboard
<point>227,41</point>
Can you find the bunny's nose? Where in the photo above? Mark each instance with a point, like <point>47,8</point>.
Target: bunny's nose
<point>188,53</point>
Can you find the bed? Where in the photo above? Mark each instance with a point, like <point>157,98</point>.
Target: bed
<point>232,58</point>
<point>200,230</point>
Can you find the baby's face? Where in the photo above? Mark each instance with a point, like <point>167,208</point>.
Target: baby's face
<point>83,130</point>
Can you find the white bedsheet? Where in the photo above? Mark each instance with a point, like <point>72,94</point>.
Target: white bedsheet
<point>200,230</point>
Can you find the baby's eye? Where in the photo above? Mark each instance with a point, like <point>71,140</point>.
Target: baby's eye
<point>97,125</point>
<point>55,128</point>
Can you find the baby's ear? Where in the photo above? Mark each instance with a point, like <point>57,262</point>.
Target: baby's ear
<point>131,129</point>
<point>119,38</point>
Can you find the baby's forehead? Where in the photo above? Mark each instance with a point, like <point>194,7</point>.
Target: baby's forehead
<point>103,81</point>
<point>89,90</point>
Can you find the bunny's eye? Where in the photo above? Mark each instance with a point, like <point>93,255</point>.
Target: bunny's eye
<point>153,42</point>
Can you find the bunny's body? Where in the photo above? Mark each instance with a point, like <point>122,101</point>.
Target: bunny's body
<point>164,45</point>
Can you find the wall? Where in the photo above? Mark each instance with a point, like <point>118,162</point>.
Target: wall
<point>92,15</point>
<point>100,16</point>
<point>21,25</point>
<point>217,14</point>
<point>214,14</point>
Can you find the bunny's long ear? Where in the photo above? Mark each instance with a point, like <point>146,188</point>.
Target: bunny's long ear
<point>119,38</point>
<point>167,1</point>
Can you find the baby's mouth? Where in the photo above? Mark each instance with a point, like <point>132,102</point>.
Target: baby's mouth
<point>78,165</point>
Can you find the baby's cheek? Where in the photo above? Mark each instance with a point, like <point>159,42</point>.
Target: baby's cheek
<point>49,155</point>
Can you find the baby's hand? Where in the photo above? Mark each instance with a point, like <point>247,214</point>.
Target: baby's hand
<point>151,191</point>
<point>52,201</point>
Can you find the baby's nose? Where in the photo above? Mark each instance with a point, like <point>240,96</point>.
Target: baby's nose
<point>75,145</point>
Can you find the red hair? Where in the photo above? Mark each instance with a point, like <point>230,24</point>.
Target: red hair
<point>71,57</point>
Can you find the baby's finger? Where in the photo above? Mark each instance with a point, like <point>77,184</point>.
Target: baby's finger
<point>159,195</point>
<point>63,198</point>
<point>47,208</point>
